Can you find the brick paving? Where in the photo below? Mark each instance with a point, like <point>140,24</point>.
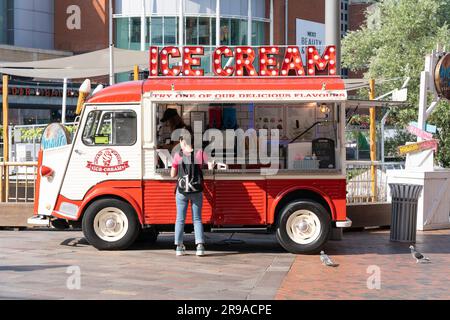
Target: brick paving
<point>400,276</point>
<point>34,264</point>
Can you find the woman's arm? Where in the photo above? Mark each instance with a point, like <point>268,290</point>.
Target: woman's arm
<point>173,172</point>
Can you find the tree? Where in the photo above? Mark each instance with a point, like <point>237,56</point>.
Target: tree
<point>393,44</point>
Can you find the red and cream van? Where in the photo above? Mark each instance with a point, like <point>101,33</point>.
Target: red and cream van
<point>113,179</point>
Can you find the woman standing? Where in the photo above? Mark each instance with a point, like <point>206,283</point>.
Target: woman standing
<point>187,167</point>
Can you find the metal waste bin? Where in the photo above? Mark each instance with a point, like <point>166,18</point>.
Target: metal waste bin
<point>404,211</point>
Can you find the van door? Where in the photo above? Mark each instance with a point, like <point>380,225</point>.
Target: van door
<point>107,148</point>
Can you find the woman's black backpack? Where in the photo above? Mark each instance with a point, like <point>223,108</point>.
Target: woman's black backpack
<point>190,175</point>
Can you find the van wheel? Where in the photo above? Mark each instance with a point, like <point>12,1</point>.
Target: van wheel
<point>110,224</point>
<point>303,227</point>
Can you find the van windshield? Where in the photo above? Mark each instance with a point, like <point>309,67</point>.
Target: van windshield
<point>111,128</point>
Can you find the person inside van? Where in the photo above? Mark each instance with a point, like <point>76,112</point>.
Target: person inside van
<point>174,121</point>
<point>187,167</point>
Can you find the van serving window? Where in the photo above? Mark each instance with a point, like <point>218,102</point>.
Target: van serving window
<point>110,128</point>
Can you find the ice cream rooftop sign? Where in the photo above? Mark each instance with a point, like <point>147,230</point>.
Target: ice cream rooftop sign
<point>267,61</point>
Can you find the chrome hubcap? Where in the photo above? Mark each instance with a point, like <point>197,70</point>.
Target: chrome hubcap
<point>303,227</point>
<point>111,224</point>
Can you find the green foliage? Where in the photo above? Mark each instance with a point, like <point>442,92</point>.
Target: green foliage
<point>393,44</point>
<point>35,134</point>
<point>391,144</point>
<point>441,118</point>
<point>31,134</point>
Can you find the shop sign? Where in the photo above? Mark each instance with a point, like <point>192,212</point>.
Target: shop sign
<point>442,77</point>
<point>245,61</point>
<point>236,96</point>
<point>36,92</point>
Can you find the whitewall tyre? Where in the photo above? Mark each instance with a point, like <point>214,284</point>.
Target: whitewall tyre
<point>111,224</point>
<point>303,227</point>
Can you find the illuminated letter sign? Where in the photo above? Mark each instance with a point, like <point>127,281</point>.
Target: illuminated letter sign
<point>243,61</point>
<point>218,68</point>
<point>321,63</point>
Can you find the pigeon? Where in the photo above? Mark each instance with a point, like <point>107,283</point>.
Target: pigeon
<point>326,261</point>
<point>418,256</point>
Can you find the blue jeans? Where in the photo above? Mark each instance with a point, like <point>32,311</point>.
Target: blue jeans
<point>196,200</point>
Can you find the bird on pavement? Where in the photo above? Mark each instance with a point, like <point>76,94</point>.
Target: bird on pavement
<point>418,256</point>
<point>326,260</point>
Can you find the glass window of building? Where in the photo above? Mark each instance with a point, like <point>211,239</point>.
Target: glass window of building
<point>191,31</point>
<point>225,32</point>
<point>239,30</point>
<point>199,24</point>
<point>170,31</point>
<point>213,31</point>
<point>156,29</point>
<point>3,21</point>
<point>128,33</point>
<point>135,30</point>
<point>258,33</point>
<point>204,31</point>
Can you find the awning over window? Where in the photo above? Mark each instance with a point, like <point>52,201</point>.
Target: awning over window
<point>232,89</point>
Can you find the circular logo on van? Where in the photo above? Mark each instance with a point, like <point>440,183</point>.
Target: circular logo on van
<point>108,161</point>
<point>55,135</point>
<point>442,77</point>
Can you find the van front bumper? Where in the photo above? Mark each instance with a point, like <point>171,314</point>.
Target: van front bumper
<point>344,224</point>
<point>42,221</point>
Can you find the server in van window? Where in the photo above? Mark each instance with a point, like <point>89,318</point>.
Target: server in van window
<point>173,120</point>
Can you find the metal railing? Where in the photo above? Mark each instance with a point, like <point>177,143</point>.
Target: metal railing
<point>359,181</point>
<point>18,181</point>
<point>25,141</point>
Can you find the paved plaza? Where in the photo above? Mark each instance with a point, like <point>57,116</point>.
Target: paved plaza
<point>46,265</point>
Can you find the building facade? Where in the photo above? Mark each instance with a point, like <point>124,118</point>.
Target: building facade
<point>81,25</point>
<point>27,23</point>
<point>27,34</point>
<point>203,22</point>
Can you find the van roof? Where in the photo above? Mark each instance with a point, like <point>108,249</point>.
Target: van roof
<point>132,91</point>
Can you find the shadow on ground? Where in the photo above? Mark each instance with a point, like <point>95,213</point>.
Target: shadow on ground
<point>31,268</point>
<point>353,243</point>
<point>378,242</point>
<point>217,245</point>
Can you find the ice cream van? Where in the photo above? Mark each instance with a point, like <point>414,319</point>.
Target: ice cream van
<point>279,170</point>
